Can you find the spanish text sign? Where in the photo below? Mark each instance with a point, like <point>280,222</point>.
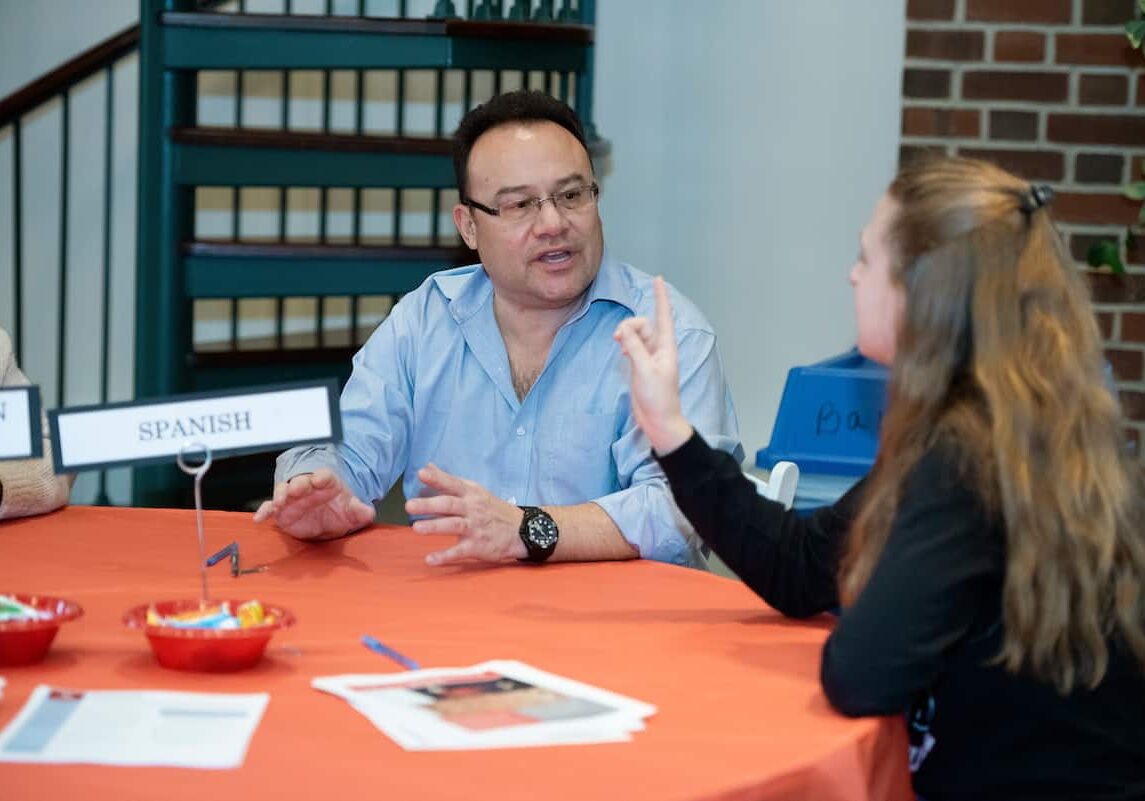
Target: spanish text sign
<point>229,423</point>
<point>20,435</point>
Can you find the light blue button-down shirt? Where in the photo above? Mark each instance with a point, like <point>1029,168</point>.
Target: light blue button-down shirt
<point>433,383</point>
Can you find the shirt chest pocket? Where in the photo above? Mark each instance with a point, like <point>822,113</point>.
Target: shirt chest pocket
<point>577,455</point>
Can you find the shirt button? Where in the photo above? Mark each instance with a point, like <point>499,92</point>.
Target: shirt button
<point>512,499</point>
<point>520,431</point>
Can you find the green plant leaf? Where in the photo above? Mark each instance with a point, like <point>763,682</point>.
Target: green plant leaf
<point>1135,190</point>
<point>1105,254</point>
<point>1141,6</point>
<point>1135,30</point>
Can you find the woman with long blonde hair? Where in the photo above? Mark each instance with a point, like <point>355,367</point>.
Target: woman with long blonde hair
<point>991,567</point>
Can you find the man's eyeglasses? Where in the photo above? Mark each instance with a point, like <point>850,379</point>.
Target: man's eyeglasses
<point>571,199</point>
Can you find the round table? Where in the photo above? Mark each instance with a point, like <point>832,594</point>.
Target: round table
<point>740,712</point>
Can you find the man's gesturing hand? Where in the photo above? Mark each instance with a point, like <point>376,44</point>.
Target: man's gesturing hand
<point>487,527</point>
<point>315,506</point>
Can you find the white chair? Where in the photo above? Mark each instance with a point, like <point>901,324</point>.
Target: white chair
<point>780,484</point>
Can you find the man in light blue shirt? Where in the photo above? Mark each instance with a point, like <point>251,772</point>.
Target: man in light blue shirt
<point>497,388</point>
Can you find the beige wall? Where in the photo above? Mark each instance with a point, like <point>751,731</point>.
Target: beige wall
<point>751,139</point>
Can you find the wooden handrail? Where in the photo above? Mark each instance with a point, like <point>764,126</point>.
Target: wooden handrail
<point>67,75</point>
<point>74,70</point>
<point>309,140</point>
<point>219,136</point>
<point>574,33</point>
<point>262,357</point>
<point>305,250</point>
<point>462,28</point>
<point>302,22</point>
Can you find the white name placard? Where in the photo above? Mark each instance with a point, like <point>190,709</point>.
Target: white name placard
<point>20,433</point>
<point>229,423</point>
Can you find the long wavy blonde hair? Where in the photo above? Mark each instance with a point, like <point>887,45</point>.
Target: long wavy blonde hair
<point>999,356</point>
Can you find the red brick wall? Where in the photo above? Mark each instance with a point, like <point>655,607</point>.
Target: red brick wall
<point>1052,90</point>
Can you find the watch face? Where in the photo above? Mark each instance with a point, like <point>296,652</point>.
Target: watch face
<point>542,531</point>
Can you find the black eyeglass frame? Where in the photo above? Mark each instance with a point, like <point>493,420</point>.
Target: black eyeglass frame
<point>537,202</point>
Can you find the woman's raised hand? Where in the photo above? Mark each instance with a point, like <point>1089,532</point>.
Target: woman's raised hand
<point>651,349</point>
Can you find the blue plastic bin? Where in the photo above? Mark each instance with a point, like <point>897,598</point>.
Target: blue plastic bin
<point>828,424</point>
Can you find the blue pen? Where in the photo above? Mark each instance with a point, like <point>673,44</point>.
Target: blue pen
<point>380,648</point>
<point>219,556</point>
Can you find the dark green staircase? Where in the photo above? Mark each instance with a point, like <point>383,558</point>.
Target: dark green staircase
<point>177,270</point>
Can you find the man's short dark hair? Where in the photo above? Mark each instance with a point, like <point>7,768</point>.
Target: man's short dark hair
<point>523,105</point>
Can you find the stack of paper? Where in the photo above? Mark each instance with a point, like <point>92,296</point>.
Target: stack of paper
<point>497,704</point>
<point>133,727</point>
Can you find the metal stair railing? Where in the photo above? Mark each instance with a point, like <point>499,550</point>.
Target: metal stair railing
<point>39,290</point>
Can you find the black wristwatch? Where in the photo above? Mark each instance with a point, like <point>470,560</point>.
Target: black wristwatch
<point>539,532</point>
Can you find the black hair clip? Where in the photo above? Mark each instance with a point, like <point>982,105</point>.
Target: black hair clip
<point>1039,195</point>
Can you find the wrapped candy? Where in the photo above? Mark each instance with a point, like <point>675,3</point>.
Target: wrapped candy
<point>12,609</point>
<point>220,616</point>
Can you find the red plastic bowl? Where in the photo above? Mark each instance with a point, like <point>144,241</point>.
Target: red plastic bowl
<point>23,642</point>
<point>206,650</point>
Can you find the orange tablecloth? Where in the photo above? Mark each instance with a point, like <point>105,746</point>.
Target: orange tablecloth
<point>741,715</point>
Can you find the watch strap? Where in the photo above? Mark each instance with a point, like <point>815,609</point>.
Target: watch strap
<point>536,553</point>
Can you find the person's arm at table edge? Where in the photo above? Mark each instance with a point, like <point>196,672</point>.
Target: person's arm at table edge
<point>791,562</point>
<point>375,432</point>
<point>28,486</point>
<point>31,487</point>
<point>587,534</point>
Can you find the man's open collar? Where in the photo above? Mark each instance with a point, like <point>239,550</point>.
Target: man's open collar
<point>466,289</point>
<point>612,284</point>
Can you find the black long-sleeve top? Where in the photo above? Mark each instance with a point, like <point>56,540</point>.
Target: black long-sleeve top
<point>926,628</point>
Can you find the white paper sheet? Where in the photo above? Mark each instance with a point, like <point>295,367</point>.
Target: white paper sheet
<point>133,727</point>
<point>496,704</point>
